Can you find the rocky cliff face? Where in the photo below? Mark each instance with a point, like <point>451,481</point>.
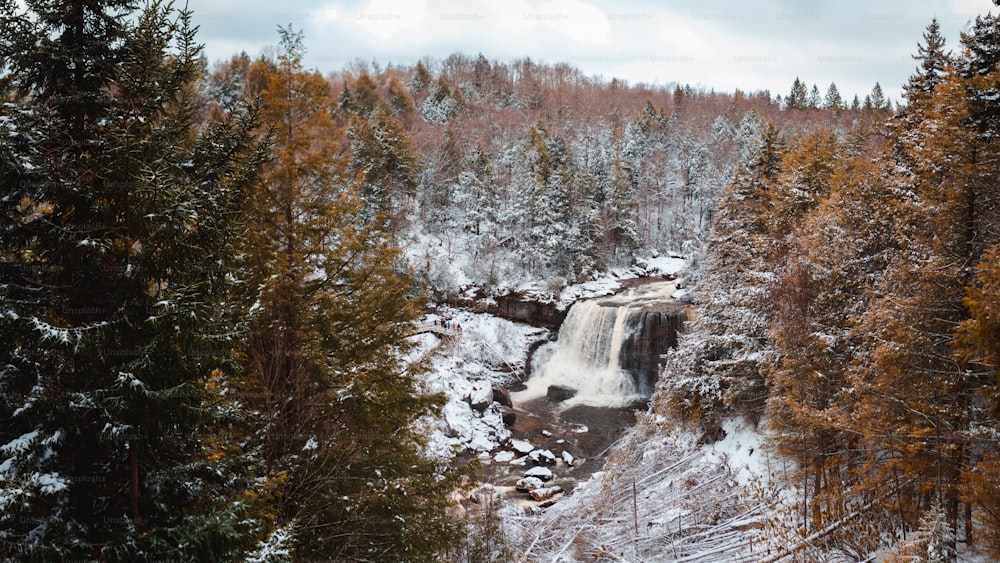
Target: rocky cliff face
<point>514,308</point>
<point>654,331</point>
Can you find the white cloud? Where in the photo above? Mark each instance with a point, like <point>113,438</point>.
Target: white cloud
<point>719,44</point>
<point>390,20</point>
<point>579,21</point>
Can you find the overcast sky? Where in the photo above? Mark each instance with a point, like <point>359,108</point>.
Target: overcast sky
<point>715,44</point>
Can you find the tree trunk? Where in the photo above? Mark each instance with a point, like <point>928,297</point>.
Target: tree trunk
<point>133,491</point>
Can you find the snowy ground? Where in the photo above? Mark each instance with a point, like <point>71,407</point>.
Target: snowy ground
<point>663,497</point>
<point>489,352</point>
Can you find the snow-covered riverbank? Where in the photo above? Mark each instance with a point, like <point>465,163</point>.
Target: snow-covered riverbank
<point>490,353</point>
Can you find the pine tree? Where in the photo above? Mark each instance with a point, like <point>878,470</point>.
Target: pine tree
<point>364,98</point>
<point>719,366</point>
<point>443,104</point>
<point>933,541</point>
<point>841,248</point>
<point>814,101</point>
<point>399,99</point>
<point>477,190</point>
<point>933,60</point>
<point>385,167</point>
<point>919,404</point>
<point>621,231</point>
<point>806,171</point>
<point>833,101</point>
<point>340,437</point>
<point>975,342</point>
<point>978,343</point>
<point>878,101</point>
<point>798,97</point>
<point>118,243</point>
<point>421,79</point>
<point>225,86</point>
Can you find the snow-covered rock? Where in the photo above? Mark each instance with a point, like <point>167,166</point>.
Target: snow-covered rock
<point>528,484</point>
<point>504,456</point>
<point>567,458</point>
<point>542,456</point>
<point>481,395</point>
<point>545,493</point>
<point>543,473</point>
<point>521,446</point>
<point>469,371</point>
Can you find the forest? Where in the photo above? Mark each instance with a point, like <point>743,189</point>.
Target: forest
<point>210,273</point>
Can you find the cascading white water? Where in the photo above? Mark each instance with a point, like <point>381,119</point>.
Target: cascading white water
<point>586,357</point>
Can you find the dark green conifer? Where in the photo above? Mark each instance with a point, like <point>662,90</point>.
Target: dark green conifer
<point>116,254</point>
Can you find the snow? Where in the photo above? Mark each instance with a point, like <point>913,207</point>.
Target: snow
<point>481,392</point>
<point>50,483</point>
<point>276,547</point>
<point>567,458</point>
<point>610,283</point>
<point>529,484</point>
<point>691,501</point>
<point>500,457</point>
<point>666,265</point>
<point>489,352</point>
<point>543,473</point>
<point>742,450</point>
<point>521,446</point>
<point>542,456</point>
<point>20,443</point>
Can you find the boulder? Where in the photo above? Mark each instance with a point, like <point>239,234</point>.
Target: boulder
<point>481,396</point>
<point>517,307</point>
<point>529,484</point>
<point>559,393</point>
<point>545,493</point>
<point>521,446</point>
<point>508,416</point>
<point>567,458</point>
<point>542,456</point>
<point>543,473</point>
<point>502,396</point>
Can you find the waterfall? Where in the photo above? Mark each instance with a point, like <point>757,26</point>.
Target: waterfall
<point>607,350</point>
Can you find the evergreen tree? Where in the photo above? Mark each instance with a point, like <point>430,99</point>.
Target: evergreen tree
<point>364,98</point>
<point>621,231</point>
<point>806,171</point>
<point>913,385</point>
<point>340,436</point>
<point>933,60</point>
<point>933,541</point>
<point>840,249</point>
<point>798,97</point>
<point>477,190</point>
<point>719,366</point>
<point>385,166</point>
<point>399,99</point>
<point>421,79</point>
<point>833,101</point>
<point>120,220</point>
<point>978,343</point>
<point>443,104</point>
<point>878,101</point>
<point>814,101</point>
